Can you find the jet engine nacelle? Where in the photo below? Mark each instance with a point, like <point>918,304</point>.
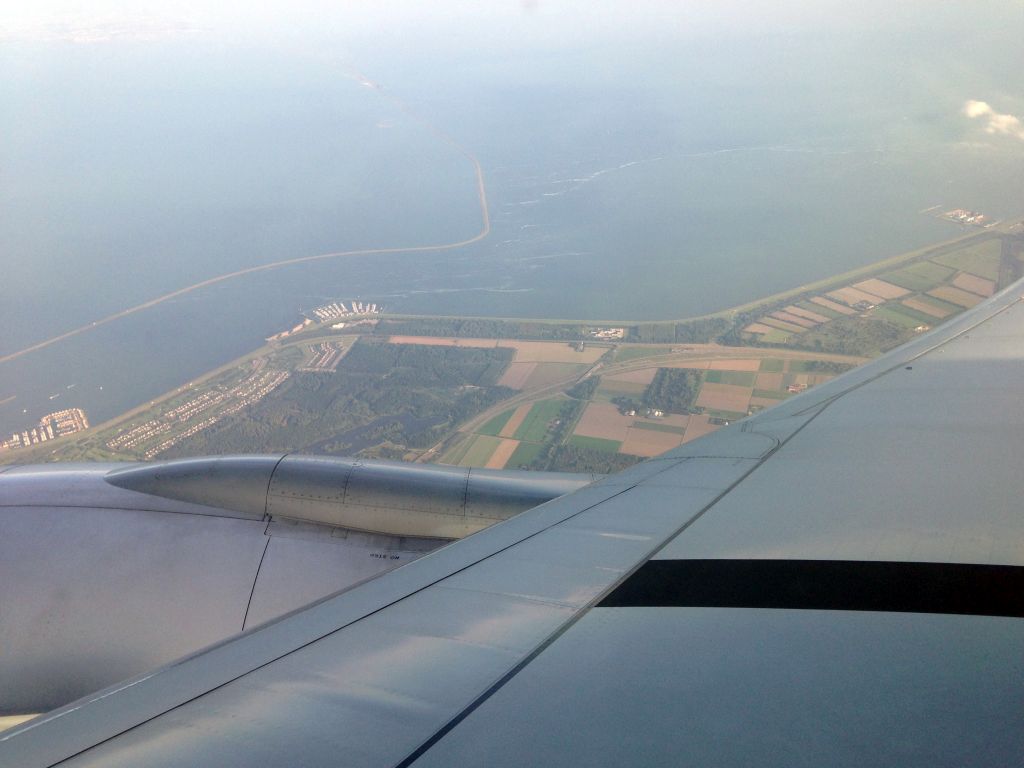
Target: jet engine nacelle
<point>107,570</point>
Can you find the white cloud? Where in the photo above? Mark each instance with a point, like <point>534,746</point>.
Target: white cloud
<point>995,122</point>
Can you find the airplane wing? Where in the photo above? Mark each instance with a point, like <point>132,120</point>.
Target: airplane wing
<point>835,581</point>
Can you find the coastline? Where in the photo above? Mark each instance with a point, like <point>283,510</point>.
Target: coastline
<point>657,350</point>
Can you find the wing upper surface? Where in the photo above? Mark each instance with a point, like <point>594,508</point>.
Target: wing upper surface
<point>911,458</point>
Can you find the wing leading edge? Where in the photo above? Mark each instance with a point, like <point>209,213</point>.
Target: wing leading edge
<point>516,644</point>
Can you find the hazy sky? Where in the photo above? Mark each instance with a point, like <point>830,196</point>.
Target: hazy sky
<point>564,21</point>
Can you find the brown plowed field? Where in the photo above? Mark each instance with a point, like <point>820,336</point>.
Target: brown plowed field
<point>786,317</point>
<point>801,312</point>
<point>502,454</point>
<point>515,420</point>
<point>647,442</point>
<point>768,381</point>
<point>698,427</point>
<point>782,325</point>
<point>834,306</point>
<point>516,374</point>
<point>724,397</point>
<point>603,420</point>
<point>877,287</point>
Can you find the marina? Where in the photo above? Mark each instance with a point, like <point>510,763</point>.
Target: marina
<point>337,310</point>
<point>51,426</point>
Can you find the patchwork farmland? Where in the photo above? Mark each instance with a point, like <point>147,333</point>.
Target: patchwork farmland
<point>615,421</point>
<point>910,298</point>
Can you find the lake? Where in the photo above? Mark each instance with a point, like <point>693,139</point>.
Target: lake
<point>640,163</point>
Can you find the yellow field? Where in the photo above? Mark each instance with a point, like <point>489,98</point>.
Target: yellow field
<point>480,451</point>
<point>928,309</point>
<point>975,284</point>
<point>853,296</point>
<point>551,352</point>
<point>955,296</point>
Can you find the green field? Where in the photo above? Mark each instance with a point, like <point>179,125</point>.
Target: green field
<point>613,388</point>
<point>775,337</point>
<point>901,316</point>
<point>920,276</point>
<point>618,390</point>
<point>523,455</point>
<point>920,317</point>
<point>983,259</point>
<point>737,378</point>
<point>772,365</point>
<point>480,451</point>
<point>945,306</point>
<point>815,366</point>
<point>659,427</point>
<point>535,426</point>
<point>773,394</point>
<point>625,354</point>
<point>458,453</point>
<point>495,425</point>
<point>727,415</point>
<point>551,373</point>
<point>595,443</point>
